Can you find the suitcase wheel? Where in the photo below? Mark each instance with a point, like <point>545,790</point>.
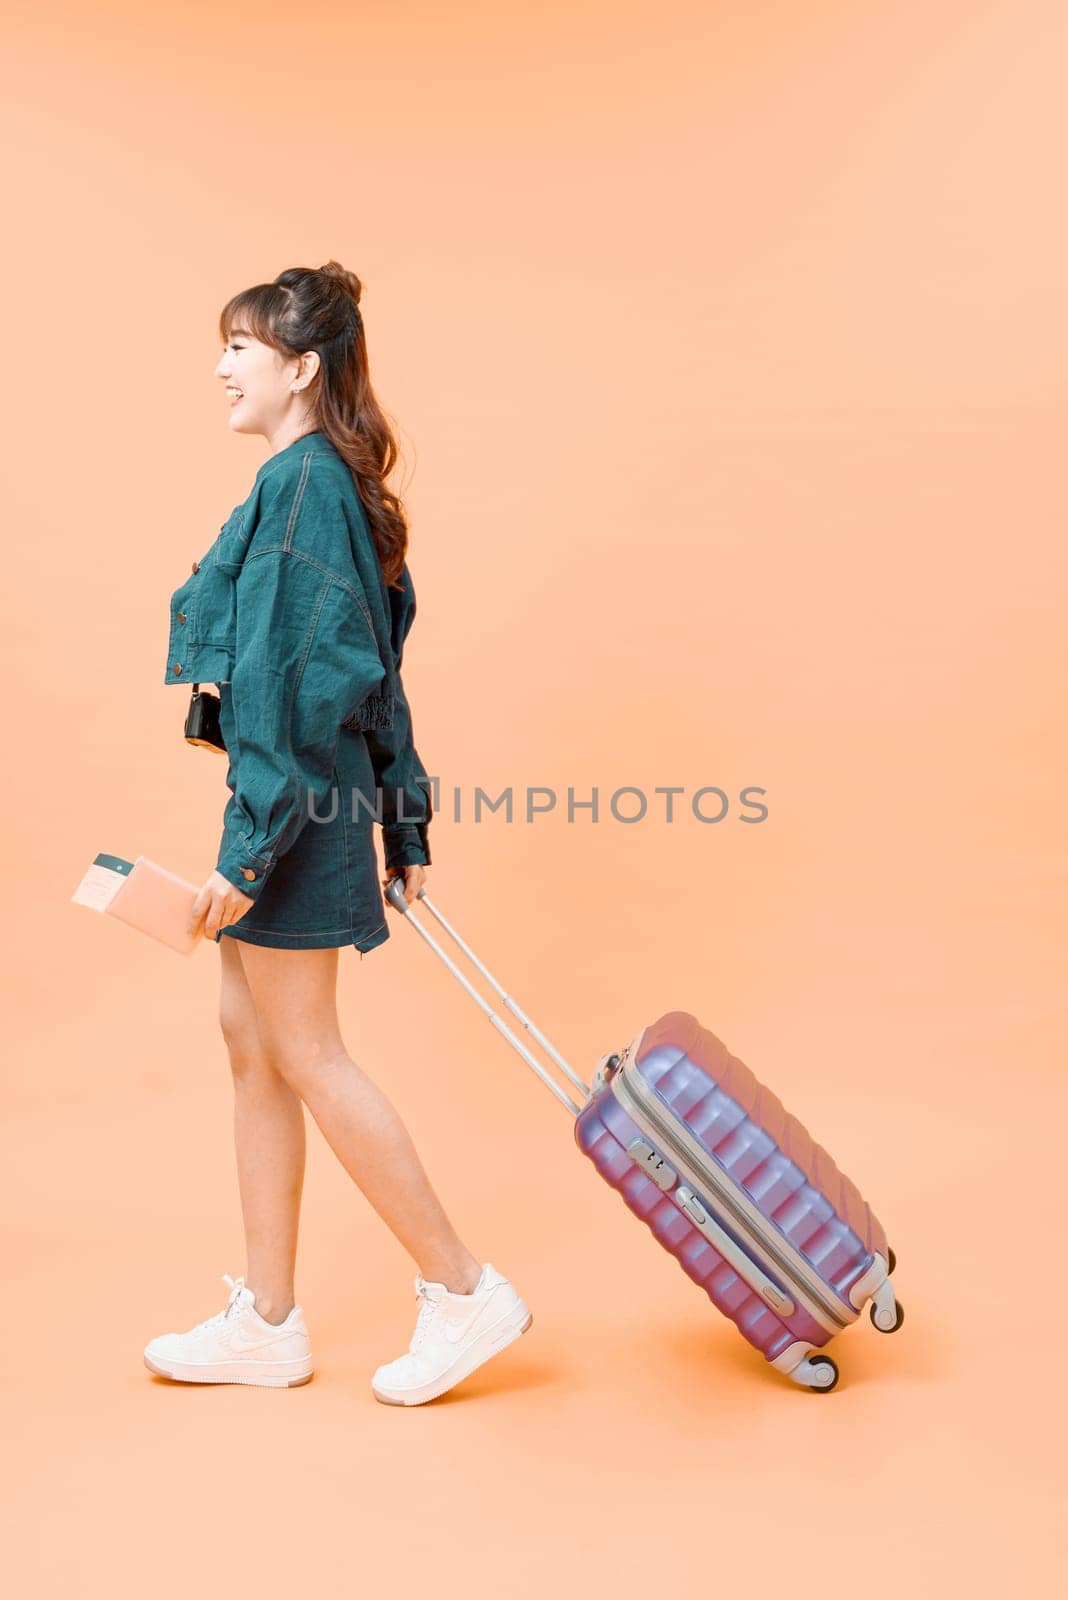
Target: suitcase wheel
<point>816,1372</point>
<point>891,1260</point>
<point>898,1319</point>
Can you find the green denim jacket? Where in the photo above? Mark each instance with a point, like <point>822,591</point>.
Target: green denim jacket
<point>290,607</point>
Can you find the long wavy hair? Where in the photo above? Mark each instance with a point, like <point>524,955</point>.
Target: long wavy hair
<point>318,308</point>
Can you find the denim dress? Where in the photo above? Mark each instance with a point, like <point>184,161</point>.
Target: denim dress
<point>288,612</point>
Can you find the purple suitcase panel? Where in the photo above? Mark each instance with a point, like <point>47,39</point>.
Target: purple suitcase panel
<point>750,1157</point>
<point>765,1150</point>
<point>603,1130</point>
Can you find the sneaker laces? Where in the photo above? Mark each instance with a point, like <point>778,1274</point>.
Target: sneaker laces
<point>429,1296</point>
<point>235,1303</point>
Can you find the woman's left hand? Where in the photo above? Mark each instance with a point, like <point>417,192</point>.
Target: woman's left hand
<point>414,879</point>
<point>217,905</point>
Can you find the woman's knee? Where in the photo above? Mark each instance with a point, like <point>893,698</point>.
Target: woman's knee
<point>244,1047</point>
<point>255,1050</point>
<point>304,1063</point>
<point>254,1047</point>
<point>239,1021</point>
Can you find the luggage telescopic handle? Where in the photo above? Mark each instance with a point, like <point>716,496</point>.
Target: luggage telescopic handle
<point>395,896</point>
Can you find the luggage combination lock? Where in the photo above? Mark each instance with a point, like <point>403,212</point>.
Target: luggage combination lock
<point>652,1163</point>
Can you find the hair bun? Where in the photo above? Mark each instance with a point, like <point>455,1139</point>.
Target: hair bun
<point>341,275</point>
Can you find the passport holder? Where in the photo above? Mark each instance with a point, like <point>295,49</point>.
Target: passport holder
<point>144,895</point>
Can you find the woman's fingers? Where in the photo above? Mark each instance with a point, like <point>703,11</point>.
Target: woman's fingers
<point>214,919</point>
<point>218,903</point>
<point>200,906</point>
<point>223,911</point>
<point>414,878</point>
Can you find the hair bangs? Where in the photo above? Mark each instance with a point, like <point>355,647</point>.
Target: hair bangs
<point>260,311</point>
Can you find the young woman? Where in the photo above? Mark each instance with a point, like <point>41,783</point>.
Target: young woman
<point>299,612</point>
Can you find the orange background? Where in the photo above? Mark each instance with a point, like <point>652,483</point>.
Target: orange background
<point>726,348</point>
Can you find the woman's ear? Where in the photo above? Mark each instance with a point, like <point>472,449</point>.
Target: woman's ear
<point>307,368</point>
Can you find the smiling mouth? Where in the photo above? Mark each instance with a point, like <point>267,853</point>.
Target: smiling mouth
<point>234,395</point>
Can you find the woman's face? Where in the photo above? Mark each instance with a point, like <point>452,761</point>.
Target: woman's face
<point>263,389</point>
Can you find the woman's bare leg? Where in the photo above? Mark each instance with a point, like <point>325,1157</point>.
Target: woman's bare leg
<point>295,997</point>
<point>270,1144</point>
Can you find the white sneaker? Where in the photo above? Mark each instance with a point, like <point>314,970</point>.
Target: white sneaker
<point>454,1334</point>
<point>236,1346</point>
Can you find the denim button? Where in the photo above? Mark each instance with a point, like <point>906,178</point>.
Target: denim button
<point>181,616</point>
<point>177,666</point>
<point>247,872</point>
<point>196,566</point>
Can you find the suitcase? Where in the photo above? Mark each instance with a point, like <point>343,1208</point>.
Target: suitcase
<point>729,1182</point>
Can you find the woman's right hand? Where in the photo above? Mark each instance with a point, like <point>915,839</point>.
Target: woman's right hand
<point>414,879</point>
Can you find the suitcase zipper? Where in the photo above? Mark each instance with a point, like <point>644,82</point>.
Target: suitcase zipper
<point>634,1094</point>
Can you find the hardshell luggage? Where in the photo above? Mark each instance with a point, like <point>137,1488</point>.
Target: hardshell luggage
<point>731,1183</point>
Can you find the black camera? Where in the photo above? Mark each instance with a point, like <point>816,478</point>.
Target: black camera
<point>202,720</point>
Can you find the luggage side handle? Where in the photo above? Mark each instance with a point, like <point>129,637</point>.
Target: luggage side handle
<point>394,893</point>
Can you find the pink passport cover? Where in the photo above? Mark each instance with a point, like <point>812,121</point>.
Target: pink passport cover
<point>157,902</point>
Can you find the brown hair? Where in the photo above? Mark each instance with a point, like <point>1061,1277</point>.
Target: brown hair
<point>309,308</point>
